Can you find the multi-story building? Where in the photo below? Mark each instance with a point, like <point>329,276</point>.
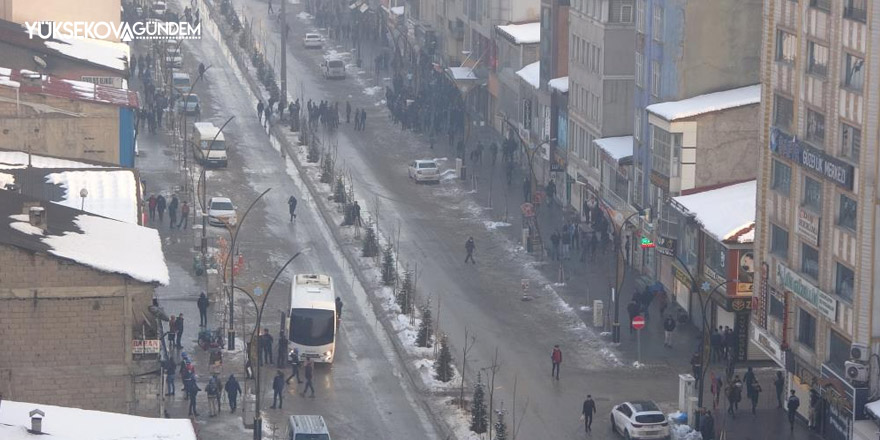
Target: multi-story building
<point>816,247</point>
<point>553,89</point>
<point>600,95</point>
<point>679,56</point>
<point>27,11</point>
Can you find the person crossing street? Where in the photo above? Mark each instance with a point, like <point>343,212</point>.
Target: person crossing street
<point>556,358</point>
<point>469,246</point>
<point>587,413</point>
<point>291,206</point>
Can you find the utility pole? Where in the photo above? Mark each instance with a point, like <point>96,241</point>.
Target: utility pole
<point>284,28</point>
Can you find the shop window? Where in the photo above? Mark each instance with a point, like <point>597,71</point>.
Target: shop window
<point>844,281</point>
<point>806,334</point>
<point>838,351</point>
<point>846,213</point>
<point>810,261</point>
<point>781,178</point>
<point>778,241</point>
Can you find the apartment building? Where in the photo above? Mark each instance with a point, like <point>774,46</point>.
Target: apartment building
<point>600,92</point>
<point>816,248</point>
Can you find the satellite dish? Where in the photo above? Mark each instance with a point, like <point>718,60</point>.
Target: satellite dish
<point>40,61</point>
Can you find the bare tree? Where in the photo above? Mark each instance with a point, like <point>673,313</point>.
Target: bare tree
<point>492,369</point>
<point>468,345</point>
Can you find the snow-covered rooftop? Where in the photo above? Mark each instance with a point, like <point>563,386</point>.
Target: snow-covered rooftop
<point>10,159</point>
<point>711,102</point>
<point>559,84</point>
<point>105,53</point>
<point>112,193</point>
<point>617,147</point>
<point>101,243</point>
<point>62,423</point>
<point>726,211</point>
<point>462,73</point>
<point>526,33</point>
<point>66,88</point>
<point>531,74</point>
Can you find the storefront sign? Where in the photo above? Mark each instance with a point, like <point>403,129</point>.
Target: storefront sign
<point>110,81</point>
<point>806,291</point>
<point>808,226</point>
<point>832,169</point>
<point>764,297</point>
<point>148,346</point>
<point>741,331</point>
<point>666,246</point>
<point>768,344</point>
<point>682,277</point>
<point>743,288</point>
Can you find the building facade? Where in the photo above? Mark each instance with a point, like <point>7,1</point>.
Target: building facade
<point>816,247</point>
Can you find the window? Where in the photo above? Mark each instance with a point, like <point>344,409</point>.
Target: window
<point>853,72</point>
<point>655,78</point>
<point>818,56</point>
<point>658,23</point>
<point>844,280</point>
<point>637,126</point>
<point>661,150</point>
<point>838,351</point>
<point>850,142</point>
<point>778,241</point>
<point>783,112</point>
<point>815,127</point>
<point>806,334</point>
<point>640,69</point>
<point>715,256</point>
<point>621,11</point>
<point>781,178</point>
<point>810,261</point>
<point>640,16</point>
<point>812,194</point>
<point>856,10</point>
<point>824,5</point>
<point>786,47</point>
<point>846,213</point>
<point>777,308</point>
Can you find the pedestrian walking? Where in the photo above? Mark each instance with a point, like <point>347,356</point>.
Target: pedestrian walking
<point>717,387</point>
<point>749,379</point>
<point>668,328</point>
<point>363,119</point>
<point>277,389</point>
<point>172,331</point>
<point>179,330</point>
<point>779,383</point>
<point>527,189</point>
<point>265,343</point>
<point>267,112</point>
<point>707,425</point>
<point>291,206</point>
<point>551,191</point>
<point>813,410</point>
<point>233,389</point>
<point>202,303</point>
<point>734,396</point>
<point>294,366</point>
<point>566,243</point>
<point>754,395</point>
<point>556,359</point>
<point>554,242</point>
<point>133,67</point>
<point>347,112</point>
<point>308,371</point>
<point>192,391</point>
<point>338,309</point>
<point>170,373</point>
<point>213,392</point>
<point>469,246</point>
<point>260,111</point>
<point>587,412</point>
<point>152,205</point>
<point>697,365</point>
<point>161,204</point>
<point>793,404</point>
<point>270,7</point>
<point>356,214</point>
<point>493,152</point>
<point>172,211</point>
<point>184,216</point>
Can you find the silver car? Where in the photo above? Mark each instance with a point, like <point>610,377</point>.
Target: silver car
<point>424,171</point>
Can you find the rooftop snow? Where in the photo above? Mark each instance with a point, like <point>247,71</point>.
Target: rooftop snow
<point>711,102</point>
<point>105,53</point>
<point>112,193</point>
<point>70,89</point>
<point>559,84</point>
<point>531,74</point>
<point>616,147</point>
<point>462,73</point>
<point>526,33</point>
<point>10,159</point>
<point>725,211</point>
<point>61,423</point>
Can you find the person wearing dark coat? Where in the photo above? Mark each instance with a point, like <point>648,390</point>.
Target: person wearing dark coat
<point>587,412</point>
<point>265,342</point>
<point>203,310</point>
<point>338,308</point>
<point>668,328</point>
<point>308,371</point>
<point>170,372</point>
<point>233,389</point>
<point>161,204</point>
<point>193,391</point>
<point>179,330</point>
<point>291,207</point>
<point>260,111</point>
<point>469,246</point>
<point>172,211</point>
<point>294,366</point>
<point>277,389</point>
<point>707,425</point>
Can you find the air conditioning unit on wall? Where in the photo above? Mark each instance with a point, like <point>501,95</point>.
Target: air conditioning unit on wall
<point>859,352</point>
<point>856,372</point>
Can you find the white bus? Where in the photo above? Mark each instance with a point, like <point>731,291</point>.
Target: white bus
<point>313,317</point>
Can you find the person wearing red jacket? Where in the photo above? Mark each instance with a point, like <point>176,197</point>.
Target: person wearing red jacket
<point>556,357</point>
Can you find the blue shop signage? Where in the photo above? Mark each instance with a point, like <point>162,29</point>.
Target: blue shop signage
<point>789,147</point>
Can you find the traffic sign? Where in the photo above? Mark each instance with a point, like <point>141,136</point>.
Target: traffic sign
<point>638,322</point>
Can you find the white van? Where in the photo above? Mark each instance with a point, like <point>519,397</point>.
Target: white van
<point>209,144</point>
<point>307,428</point>
<point>181,83</point>
<point>312,307</point>
<point>333,68</point>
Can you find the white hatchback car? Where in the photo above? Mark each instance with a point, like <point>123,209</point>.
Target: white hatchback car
<point>221,212</point>
<point>424,171</point>
<point>639,420</point>
<point>313,41</point>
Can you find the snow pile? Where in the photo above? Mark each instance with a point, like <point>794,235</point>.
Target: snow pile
<point>531,74</point>
<point>113,246</point>
<point>6,179</point>
<point>711,102</point>
<point>526,33</point>
<point>617,147</point>
<point>25,227</point>
<point>637,364</point>
<point>559,84</point>
<point>449,174</point>
<point>425,367</point>
<point>684,432</point>
<point>111,194</point>
<point>10,159</point>
<point>372,91</point>
<point>725,211</point>
<point>61,423</point>
<point>495,225</point>
<point>304,16</point>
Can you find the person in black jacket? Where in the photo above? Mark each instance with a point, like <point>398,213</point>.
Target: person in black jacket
<point>793,404</point>
<point>161,204</point>
<point>668,328</point>
<point>588,411</point>
<point>707,425</point>
<point>179,329</point>
<point>203,310</point>
<point>193,391</point>
<point>170,372</point>
<point>233,389</point>
<point>265,342</point>
<point>277,388</point>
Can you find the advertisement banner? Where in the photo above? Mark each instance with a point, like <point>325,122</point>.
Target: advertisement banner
<point>808,227</point>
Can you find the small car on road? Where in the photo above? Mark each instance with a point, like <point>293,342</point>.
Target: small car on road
<point>424,170</point>
<point>333,68</point>
<point>313,41</point>
<point>221,212</point>
<point>639,419</point>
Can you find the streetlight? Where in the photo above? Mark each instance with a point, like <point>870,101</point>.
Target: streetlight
<point>183,112</point>
<point>615,295</point>
<point>83,193</point>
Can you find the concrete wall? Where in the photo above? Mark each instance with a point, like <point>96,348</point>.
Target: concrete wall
<point>64,127</point>
<point>727,146</point>
<point>66,335</point>
<point>21,11</point>
<point>617,107</point>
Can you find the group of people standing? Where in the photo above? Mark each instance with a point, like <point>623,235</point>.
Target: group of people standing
<point>157,205</point>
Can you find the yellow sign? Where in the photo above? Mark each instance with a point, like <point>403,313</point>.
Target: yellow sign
<point>743,288</point>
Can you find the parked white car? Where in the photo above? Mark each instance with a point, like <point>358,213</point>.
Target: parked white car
<point>221,212</point>
<point>333,68</point>
<point>313,41</point>
<point>638,420</point>
<point>424,170</point>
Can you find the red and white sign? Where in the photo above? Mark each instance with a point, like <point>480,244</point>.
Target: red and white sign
<point>638,322</point>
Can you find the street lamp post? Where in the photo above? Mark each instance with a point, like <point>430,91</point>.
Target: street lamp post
<point>203,177</point>
<point>618,285</point>
<point>183,112</point>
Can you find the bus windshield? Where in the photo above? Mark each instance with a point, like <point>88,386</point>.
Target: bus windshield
<point>311,327</point>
